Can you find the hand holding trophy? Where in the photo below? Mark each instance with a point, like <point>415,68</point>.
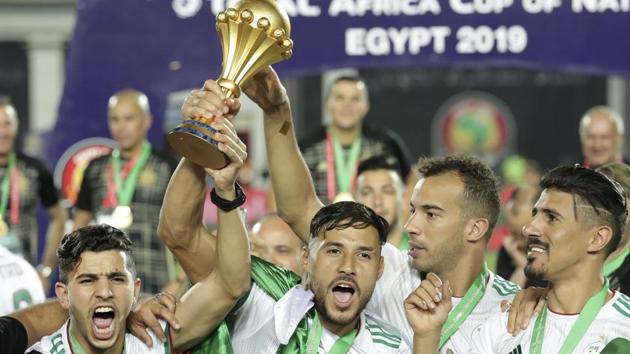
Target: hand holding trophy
<point>253,35</point>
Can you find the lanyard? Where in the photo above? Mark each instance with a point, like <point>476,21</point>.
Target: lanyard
<point>9,187</point>
<point>341,346</point>
<point>613,265</point>
<point>470,300</point>
<point>584,320</point>
<point>340,170</point>
<point>125,190</point>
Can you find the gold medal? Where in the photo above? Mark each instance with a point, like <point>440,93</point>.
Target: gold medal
<point>344,197</point>
<point>122,217</point>
<point>4,228</point>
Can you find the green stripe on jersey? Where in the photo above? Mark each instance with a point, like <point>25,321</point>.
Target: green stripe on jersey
<point>621,310</point>
<point>504,289</point>
<point>388,344</point>
<point>506,283</point>
<point>380,335</point>
<point>624,300</point>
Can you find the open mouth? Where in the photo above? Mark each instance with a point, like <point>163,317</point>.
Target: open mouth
<point>103,322</point>
<point>343,293</point>
<point>534,249</point>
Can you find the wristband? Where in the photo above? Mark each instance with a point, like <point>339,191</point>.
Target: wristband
<point>228,205</point>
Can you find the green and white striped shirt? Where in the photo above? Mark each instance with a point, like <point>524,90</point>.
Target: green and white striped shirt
<point>261,324</point>
<point>399,279</point>
<point>612,321</point>
<point>59,343</point>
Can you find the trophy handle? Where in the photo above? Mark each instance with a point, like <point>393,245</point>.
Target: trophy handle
<point>230,88</point>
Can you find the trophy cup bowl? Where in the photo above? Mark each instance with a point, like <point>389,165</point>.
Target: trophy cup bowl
<point>253,35</point>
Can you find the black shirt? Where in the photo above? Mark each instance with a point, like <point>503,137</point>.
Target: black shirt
<point>13,337</point>
<point>381,141</point>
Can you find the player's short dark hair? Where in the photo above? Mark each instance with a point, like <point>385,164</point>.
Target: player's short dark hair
<point>343,215</point>
<point>97,238</point>
<point>604,195</point>
<point>481,196</point>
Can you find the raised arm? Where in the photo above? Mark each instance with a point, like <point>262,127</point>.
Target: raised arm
<point>207,303</point>
<point>181,227</point>
<point>292,184</point>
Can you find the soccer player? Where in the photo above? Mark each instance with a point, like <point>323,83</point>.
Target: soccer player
<point>380,187</point>
<point>21,286</point>
<point>454,209</point>
<point>99,285</point>
<point>278,313</point>
<point>577,221</point>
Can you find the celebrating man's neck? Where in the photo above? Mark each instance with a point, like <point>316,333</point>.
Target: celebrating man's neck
<point>462,276</point>
<point>346,136</point>
<point>131,152</point>
<point>569,293</point>
<point>117,348</point>
<point>338,329</point>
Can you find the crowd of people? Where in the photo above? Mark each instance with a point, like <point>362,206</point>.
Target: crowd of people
<point>365,252</point>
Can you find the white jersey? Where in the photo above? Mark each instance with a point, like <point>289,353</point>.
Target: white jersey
<point>21,286</point>
<point>59,343</point>
<point>399,279</point>
<point>612,321</point>
<point>260,325</point>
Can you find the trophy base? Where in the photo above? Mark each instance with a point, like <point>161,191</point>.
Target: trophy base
<point>192,140</point>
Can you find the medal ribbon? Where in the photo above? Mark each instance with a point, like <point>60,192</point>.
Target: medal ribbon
<point>458,315</point>
<point>340,170</point>
<point>584,320</point>
<point>8,180</point>
<point>613,265</point>
<point>341,346</point>
<point>125,190</point>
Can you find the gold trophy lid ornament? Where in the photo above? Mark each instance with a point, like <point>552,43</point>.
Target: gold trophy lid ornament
<point>253,35</point>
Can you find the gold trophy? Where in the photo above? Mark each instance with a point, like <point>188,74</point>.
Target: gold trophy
<point>253,35</point>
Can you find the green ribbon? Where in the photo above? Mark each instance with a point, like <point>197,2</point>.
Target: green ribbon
<point>341,346</point>
<point>584,320</point>
<point>458,315</point>
<point>345,167</point>
<point>611,266</point>
<point>124,191</point>
<point>6,184</point>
